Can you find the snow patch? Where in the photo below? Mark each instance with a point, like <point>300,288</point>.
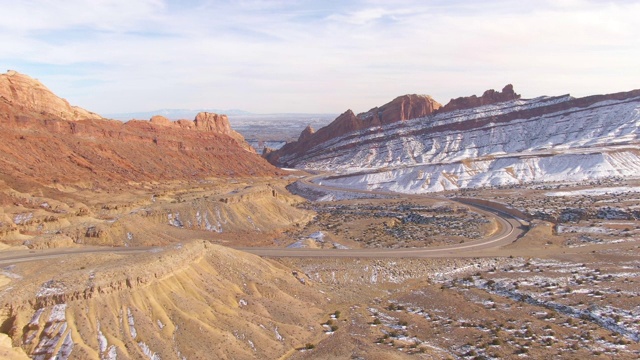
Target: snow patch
<point>145,350</point>
<point>278,336</point>
<point>317,236</point>
<point>58,313</point>
<point>597,191</point>
<point>132,328</point>
<point>35,319</point>
<point>102,340</point>
<point>66,348</point>
<point>112,354</point>
<point>174,220</point>
<point>20,219</point>
<point>50,288</point>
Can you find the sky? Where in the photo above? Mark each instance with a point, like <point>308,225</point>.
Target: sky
<point>116,56</point>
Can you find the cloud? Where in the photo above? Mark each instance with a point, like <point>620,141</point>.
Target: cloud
<point>111,15</point>
<point>278,56</point>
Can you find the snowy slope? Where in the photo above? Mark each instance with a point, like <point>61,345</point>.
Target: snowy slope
<point>521,141</point>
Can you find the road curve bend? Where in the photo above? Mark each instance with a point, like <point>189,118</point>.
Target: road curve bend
<point>510,229</point>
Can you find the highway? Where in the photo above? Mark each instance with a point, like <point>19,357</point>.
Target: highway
<point>509,229</point>
<point>17,256</point>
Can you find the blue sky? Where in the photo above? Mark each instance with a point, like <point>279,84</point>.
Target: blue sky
<point>113,56</point>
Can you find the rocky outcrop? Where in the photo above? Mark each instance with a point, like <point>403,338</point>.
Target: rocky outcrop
<point>401,108</point>
<point>138,311</point>
<point>404,107</point>
<point>306,133</point>
<point>160,120</point>
<point>489,97</point>
<point>207,122</point>
<point>212,122</point>
<point>28,97</point>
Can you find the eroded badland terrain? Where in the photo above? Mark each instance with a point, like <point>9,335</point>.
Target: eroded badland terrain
<point>175,240</point>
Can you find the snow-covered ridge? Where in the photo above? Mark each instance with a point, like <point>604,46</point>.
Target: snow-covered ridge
<point>521,141</point>
<point>433,121</point>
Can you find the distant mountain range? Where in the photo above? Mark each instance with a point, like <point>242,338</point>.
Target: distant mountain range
<point>172,114</point>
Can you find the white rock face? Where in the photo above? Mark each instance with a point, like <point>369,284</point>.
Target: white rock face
<point>546,139</point>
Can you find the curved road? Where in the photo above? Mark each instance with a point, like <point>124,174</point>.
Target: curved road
<point>510,229</point>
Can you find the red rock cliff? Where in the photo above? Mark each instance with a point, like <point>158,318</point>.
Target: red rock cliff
<point>404,107</point>
<point>46,141</point>
<point>208,122</point>
<point>489,97</point>
<point>23,95</point>
<point>401,108</point>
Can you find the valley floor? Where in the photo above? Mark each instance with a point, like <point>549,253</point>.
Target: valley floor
<point>567,288</point>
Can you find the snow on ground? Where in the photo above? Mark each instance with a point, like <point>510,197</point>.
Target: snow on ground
<point>582,229</point>
<point>203,221</point>
<point>35,320</point>
<point>7,271</point>
<point>50,338</point>
<point>22,218</point>
<point>297,245</point>
<point>252,345</point>
<point>335,195</point>
<point>541,290</point>
<point>505,171</point>
<point>314,192</point>
<point>174,220</point>
<point>593,142</point>
<point>597,191</point>
<point>278,336</point>
<point>66,348</point>
<point>317,236</point>
<point>58,313</point>
<point>132,328</point>
<point>112,354</point>
<point>145,350</point>
<point>102,340</point>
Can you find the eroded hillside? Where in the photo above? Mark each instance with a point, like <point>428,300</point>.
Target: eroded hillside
<point>171,304</point>
<point>160,214</point>
<point>69,177</point>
